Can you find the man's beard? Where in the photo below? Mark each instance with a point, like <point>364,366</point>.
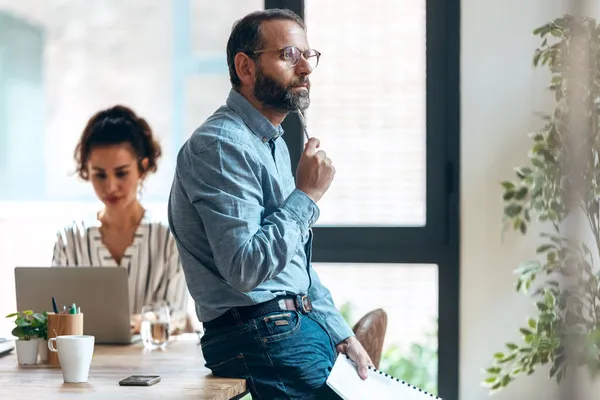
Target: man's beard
<point>273,95</point>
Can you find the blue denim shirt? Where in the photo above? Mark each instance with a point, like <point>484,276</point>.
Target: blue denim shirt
<point>241,225</point>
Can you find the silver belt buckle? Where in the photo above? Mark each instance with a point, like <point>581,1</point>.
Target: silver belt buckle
<point>304,304</point>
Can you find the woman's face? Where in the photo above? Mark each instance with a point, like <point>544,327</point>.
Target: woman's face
<point>115,175</point>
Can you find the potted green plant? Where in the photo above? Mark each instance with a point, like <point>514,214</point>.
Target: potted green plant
<point>27,331</point>
<point>565,331</point>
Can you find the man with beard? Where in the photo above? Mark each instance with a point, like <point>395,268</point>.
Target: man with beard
<point>243,224</point>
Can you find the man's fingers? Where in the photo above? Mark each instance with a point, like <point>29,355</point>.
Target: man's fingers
<point>321,155</point>
<point>363,360</point>
<point>312,144</point>
<point>342,348</point>
<point>356,352</point>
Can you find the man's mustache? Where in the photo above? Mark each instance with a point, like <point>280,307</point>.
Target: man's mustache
<point>301,82</point>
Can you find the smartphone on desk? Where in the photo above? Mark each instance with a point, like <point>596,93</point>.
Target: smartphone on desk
<point>140,380</point>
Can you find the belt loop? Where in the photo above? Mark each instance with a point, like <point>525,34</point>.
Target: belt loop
<point>236,316</point>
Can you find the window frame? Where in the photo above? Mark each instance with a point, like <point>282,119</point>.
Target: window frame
<point>437,242</point>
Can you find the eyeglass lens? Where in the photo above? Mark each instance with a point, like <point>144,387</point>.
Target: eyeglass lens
<point>292,56</point>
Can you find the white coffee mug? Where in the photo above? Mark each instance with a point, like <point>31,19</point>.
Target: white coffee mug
<point>75,356</point>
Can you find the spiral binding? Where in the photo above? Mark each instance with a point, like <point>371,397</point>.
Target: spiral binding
<point>400,381</point>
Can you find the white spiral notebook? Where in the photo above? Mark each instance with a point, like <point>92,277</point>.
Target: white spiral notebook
<point>345,381</point>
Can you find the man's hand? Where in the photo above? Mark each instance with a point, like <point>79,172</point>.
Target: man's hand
<point>315,171</point>
<point>353,349</point>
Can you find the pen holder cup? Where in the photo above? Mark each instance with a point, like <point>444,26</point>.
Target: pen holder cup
<point>60,325</point>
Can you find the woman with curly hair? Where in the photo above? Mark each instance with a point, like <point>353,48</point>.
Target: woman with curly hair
<point>116,153</point>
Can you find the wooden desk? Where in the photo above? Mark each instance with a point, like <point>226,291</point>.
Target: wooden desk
<point>181,367</point>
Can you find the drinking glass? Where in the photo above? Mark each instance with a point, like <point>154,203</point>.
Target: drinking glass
<point>156,326</point>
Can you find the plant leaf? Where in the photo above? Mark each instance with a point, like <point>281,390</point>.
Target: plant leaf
<point>523,227</point>
<point>525,331</point>
<point>513,209</point>
<point>520,195</point>
<point>508,185</point>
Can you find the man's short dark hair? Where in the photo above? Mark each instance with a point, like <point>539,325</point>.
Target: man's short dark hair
<point>246,36</point>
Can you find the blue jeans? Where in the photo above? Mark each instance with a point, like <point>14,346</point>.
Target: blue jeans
<point>282,355</point>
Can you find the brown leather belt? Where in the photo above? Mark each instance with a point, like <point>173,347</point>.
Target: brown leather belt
<point>240,315</point>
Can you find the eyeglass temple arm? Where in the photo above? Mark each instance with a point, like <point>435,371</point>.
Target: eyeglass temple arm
<point>266,50</point>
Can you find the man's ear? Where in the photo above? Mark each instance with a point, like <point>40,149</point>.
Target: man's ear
<point>245,68</point>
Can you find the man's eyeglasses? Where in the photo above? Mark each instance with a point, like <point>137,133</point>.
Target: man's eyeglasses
<point>292,55</point>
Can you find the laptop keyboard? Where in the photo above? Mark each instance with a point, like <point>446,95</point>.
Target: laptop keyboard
<point>6,346</point>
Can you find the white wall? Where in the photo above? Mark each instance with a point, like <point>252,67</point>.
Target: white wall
<point>500,93</point>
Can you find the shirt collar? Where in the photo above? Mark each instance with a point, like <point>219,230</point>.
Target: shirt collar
<point>92,219</point>
<point>258,123</point>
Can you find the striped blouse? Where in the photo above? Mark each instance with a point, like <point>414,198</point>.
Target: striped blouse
<point>152,260</point>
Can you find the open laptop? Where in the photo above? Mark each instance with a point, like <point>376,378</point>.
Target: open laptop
<point>101,293</point>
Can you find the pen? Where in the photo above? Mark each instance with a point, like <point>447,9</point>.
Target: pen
<point>303,122</point>
<point>54,305</point>
<point>73,309</point>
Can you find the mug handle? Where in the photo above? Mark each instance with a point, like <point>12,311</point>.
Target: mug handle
<point>50,346</point>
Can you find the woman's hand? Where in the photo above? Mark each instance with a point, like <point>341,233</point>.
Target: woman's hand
<point>136,323</point>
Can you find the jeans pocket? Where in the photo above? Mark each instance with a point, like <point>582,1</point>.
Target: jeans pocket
<point>233,367</point>
<point>217,336</point>
<point>278,326</point>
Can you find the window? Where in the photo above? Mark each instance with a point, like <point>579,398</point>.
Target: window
<point>21,96</point>
<point>207,83</point>
<point>94,57</point>
<point>370,119</point>
<point>165,59</point>
<point>385,108</point>
<point>409,296</point>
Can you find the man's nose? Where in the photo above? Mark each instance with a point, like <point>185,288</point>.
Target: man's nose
<point>303,67</point>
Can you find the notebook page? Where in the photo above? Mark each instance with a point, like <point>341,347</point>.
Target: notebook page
<point>346,382</point>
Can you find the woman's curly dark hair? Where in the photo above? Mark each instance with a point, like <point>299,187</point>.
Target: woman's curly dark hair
<point>114,126</point>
